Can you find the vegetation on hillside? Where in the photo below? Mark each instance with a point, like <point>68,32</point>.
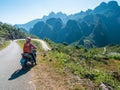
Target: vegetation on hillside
<point>96,64</point>
<point>9,32</point>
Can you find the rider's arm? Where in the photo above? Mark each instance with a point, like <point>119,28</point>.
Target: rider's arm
<point>33,46</point>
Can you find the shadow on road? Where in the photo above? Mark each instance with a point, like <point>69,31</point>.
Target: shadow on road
<point>19,73</point>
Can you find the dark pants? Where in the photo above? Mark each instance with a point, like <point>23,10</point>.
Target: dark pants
<point>33,57</point>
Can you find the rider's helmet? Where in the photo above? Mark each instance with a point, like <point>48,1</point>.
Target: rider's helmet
<point>28,39</point>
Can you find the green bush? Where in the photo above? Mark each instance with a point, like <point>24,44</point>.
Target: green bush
<point>116,57</point>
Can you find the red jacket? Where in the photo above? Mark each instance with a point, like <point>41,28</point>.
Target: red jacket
<point>28,47</point>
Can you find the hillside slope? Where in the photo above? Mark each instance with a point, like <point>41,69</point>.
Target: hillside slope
<point>9,32</point>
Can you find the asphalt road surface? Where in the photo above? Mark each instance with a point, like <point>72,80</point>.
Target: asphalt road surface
<point>11,75</point>
<point>44,45</point>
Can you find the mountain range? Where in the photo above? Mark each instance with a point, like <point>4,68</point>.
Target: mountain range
<point>97,27</point>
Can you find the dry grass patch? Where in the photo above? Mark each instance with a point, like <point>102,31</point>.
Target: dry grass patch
<point>2,46</point>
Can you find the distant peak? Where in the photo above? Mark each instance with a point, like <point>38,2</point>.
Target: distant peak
<point>103,4</point>
<point>103,7</point>
<point>89,10</point>
<point>61,13</point>
<point>113,3</point>
<point>52,14</point>
<point>81,12</point>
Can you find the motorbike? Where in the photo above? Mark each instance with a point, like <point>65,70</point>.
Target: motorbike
<point>27,60</point>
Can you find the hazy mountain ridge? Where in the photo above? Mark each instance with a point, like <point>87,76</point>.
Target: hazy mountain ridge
<point>98,27</point>
<point>30,24</point>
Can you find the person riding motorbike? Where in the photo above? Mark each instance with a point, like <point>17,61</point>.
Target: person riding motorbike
<point>28,48</point>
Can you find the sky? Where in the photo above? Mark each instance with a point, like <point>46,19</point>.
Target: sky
<point>23,11</point>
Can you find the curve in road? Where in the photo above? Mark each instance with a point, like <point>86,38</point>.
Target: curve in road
<point>44,45</point>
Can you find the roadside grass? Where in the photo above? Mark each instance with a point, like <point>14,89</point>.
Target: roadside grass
<point>2,46</point>
<point>89,64</point>
<point>21,43</point>
<point>65,62</point>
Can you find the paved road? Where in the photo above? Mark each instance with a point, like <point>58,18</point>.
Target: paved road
<point>44,45</point>
<point>11,75</point>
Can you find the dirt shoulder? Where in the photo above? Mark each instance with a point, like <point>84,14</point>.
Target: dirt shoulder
<point>45,77</point>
